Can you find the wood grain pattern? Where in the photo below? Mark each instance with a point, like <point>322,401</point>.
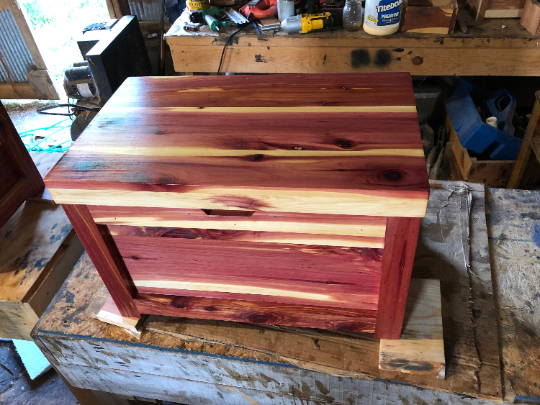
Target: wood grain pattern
<point>531,17</point>
<point>400,246</point>
<point>293,238</point>
<point>430,20</point>
<point>19,176</point>
<point>420,349</point>
<point>103,253</point>
<point>303,275</point>
<point>296,228</point>
<point>342,319</point>
<point>236,145</point>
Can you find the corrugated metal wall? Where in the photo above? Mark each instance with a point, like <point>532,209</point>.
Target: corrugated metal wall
<point>145,10</point>
<point>15,58</point>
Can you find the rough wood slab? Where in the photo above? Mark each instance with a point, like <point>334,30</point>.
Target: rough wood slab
<point>514,244</point>
<point>208,346</point>
<point>225,142</point>
<point>420,350</point>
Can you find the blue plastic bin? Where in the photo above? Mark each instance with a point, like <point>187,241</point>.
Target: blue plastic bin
<point>473,133</point>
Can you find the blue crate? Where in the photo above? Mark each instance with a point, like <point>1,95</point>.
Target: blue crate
<point>473,133</point>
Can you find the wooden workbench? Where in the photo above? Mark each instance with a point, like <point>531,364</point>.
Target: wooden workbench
<point>487,49</point>
<point>198,362</point>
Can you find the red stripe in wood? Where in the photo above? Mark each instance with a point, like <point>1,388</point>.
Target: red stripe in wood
<point>258,312</point>
<point>400,247</point>
<point>269,90</point>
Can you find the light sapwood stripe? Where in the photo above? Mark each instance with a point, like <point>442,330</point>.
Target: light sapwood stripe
<point>376,231</point>
<point>242,289</point>
<point>303,201</point>
<point>301,239</point>
<point>298,109</point>
<point>181,151</point>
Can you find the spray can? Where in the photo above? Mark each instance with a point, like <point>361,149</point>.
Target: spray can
<point>382,16</point>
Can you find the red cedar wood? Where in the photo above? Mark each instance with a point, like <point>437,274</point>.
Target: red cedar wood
<point>350,275</point>
<point>20,177</point>
<point>243,236</point>
<point>400,247</point>
<point>149,103</point>
<point>393,89</point>
<point>123,214</point>
<point>342,319</point>
<point>104,255</point>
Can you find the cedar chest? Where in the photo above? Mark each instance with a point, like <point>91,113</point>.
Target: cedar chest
<point>278,199</point>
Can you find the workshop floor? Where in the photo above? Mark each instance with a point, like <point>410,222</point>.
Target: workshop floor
<point>16,388</point>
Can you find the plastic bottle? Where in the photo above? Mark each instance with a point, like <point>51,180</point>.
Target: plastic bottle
<point>382,16</point>
<point>352,15</point>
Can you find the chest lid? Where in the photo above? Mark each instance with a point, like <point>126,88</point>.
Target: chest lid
<point>312,143</point>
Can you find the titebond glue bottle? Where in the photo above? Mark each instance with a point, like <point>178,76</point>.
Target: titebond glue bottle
<point>382,16</point>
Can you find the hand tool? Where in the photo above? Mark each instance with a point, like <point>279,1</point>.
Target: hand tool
<point>304,23</point>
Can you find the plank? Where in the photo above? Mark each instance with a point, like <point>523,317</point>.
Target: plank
<point>111,268</point>
<point>262,312</point>
<point>531,17</point>
<point>430,20</point>
<point>293,238</point>
<point>256,221</point>
<point>532,131</point>
<point>38,250</point>
<point>23,179</point>
<point>322,275</point>
<point>351,357</point>
<point>17,91</point>
<point>104,309</point>
<point>400,246</point>
<point>228,154</point>
<point>492,173</point>
<point>514,247</point>
<point>420,348</point>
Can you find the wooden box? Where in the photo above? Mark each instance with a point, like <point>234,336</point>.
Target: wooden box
<point>280,199</point>
<point>492,173</point>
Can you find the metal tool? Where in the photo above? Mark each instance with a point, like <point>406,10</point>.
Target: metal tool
<point>307,22</point>
<point>235,17</point>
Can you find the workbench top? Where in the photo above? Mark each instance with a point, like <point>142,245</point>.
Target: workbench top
<point>210,361</point>
<point>499,47</point>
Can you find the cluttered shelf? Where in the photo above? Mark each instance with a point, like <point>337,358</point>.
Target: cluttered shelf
<point>499,47</point>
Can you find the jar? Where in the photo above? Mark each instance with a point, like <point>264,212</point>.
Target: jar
<point>285,9</point>
<point>352,15</point>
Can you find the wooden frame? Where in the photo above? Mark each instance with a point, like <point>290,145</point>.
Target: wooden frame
<point>40,85</point>
<point>19,178</point>
<point>400,241</point>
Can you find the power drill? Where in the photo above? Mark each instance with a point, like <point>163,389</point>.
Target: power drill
<point>307,22</point>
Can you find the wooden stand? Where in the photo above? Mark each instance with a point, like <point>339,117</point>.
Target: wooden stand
<point>206,361</point>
